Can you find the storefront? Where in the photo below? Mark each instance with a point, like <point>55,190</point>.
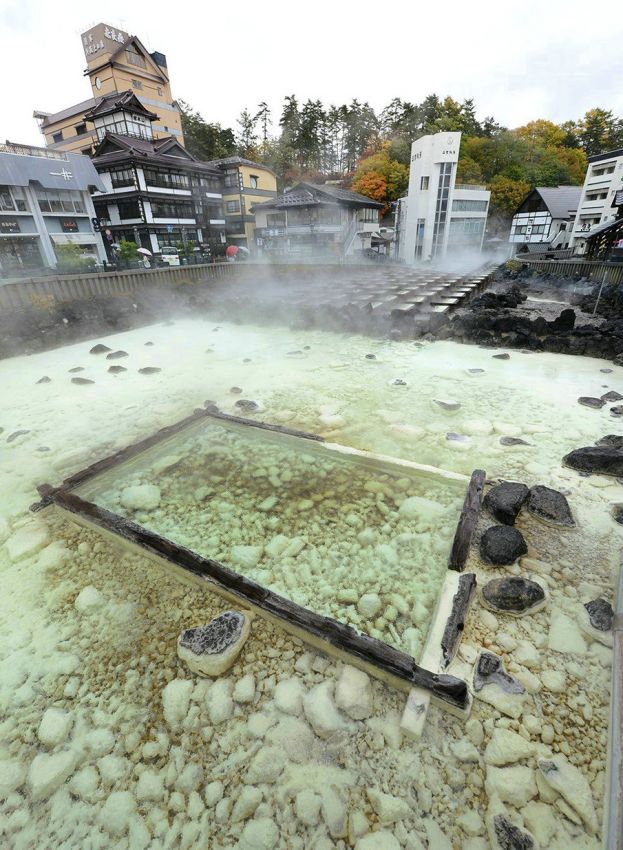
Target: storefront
<point>19,254</point>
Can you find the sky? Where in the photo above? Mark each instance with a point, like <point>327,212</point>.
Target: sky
<point>518,61</point>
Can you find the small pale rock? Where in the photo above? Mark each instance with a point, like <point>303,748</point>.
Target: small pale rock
<point>150,786</point>
<point>465,751</point>
<point>27,541</point>
<point>288,696</point>
<point>245,557</point>
<point>307,807</point>
<point>353,693</point>
<point>244,689</point>
<point>48,772</point>
<point>507,747</point>
<point>117,811</point>
<point>515,785</point>
<point>176,700</point>
<point>388,808</point>
<point>12,777</point>
<point>320,710</point>
<point>54,727</point>
<point>266,765</point>
<point>565,635</point>
<point>246,804</point>
<point>379,840</point>
<point>259,834</point>
<point>568,780</point>
<point>141,497</point>
<point>89,599</point>
<point>369,605</point>
<point>219,701</point>
<point>554,681</point>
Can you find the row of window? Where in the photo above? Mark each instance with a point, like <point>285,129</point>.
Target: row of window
<point>12,199</point>
<point>473,226</point>
<point>596,196</point>
<point>121,177</point>
<point>172,209</point>
<point>233,180</point>
<point>469,206</point>
<point>166,179</point>
<point>603,169</point>
<point>59,200</point>
<point>533,229</point>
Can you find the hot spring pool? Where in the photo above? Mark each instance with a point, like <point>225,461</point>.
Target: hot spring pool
<point>132,755</point>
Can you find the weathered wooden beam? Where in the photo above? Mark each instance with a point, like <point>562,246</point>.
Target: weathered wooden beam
<point>467,521</point>
<point>455,623</point>
<point>376,656</point>
<point>46,491</point>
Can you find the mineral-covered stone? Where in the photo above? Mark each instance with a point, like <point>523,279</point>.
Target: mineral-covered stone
<point>550,506</point>
<point>141,497</point>
<point>504,501</point>
<point>607,460</point>
<point>601,614</point>
<point>569,781</point>
<point>212,649</point>
<point>353,693</point>
<point>513,595</point>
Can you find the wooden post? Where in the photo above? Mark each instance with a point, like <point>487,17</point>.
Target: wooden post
<point>467,521</point>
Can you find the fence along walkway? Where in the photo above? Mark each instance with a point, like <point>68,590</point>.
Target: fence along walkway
<point>45,292</point>
<point>590,269</point>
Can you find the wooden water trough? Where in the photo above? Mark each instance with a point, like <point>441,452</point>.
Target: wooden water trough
<point>372,655</point>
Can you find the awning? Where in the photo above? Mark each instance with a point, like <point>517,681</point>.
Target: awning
<point>73,238</point>
<point>601,228</point>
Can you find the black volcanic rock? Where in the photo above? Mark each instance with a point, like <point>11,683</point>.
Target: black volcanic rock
<point>502,544</point>
<point>601,614</point>
<point>550,506</point>
<point>116,355</point>
<point>489,670</point>
<point>611,396</point>
<point>591,401</point>
<point>513,595</point>
<point>606,460</point>
<point>504,501</point>
<point>100,348</point>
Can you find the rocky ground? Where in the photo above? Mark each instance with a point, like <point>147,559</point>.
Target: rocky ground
<point>522,309</point>
<point>109,740</point>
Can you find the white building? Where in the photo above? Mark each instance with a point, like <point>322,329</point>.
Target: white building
<point>45,204</point>
<point>544,219</point>
<point>604,177</point>
<point>439,217</point>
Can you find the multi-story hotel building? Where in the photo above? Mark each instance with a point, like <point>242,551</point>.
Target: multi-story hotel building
<point>116,62</point>
<point>154,192</point>
<point>45,204</point>
<point>440,216</point>
<point>604,177</point>
<point>245,183</point>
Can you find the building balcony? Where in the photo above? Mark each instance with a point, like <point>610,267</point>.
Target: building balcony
<point>299,230</point>
<point>469,187</point>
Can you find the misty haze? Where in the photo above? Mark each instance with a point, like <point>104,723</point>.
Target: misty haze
<point>311,356</point>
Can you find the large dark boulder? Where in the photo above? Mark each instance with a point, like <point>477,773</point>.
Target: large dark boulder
<point>607,460</point>
<point>564,322</point>
<point>504,501</point>
<point>502,544</point>
<point>513,595</point>
<point>550,505</point>
<point>615,441</point>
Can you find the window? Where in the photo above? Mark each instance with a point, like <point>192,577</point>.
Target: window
<point>134,57</point>
<point>122,177</point>
<point>7,204</point>
<point>128,209</point>
<point>367,214</point>
<point>441,208</point>
<point>59,201</point>
<point>166,179</point>
<point>172,209</point>
<point>81,129</point>
<point>276,220</point>
<point>253,181</point>
<point>423,183</point>
<point>468,206</point>
<point>596,196</point>
<point>233,206</point>
<point>57,137</point>
<point>231,179</point>
<point>136,84</point>
<point>604,169</point>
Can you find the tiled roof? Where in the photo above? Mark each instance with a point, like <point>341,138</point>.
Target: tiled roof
<point>76,109</point>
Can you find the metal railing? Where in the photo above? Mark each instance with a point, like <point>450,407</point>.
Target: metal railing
<point>472,187</point>
<point>29,150</point>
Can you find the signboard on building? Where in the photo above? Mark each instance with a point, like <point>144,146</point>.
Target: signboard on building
<point>69,225</point>
<point>9,226</point>
<point>102,39</point>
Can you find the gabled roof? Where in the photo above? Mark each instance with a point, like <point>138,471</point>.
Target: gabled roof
<point>560,201</point>
<point>115,101</point>
<point>167,151</point>
<point>311,194</point>
<point>76,109</point>
<point>158,70</point>
<point>237,160</point>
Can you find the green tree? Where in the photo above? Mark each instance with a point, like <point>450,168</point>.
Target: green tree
<point>203,140</point>
<point>128,250</point>
<point>263,117</point>
<point>599,131</point>
<point>507,194</point>
<point>247,136</point>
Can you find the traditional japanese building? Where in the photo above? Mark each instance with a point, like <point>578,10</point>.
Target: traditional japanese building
<point>155,192</point>
<point>116,62</point>
<point>316,219</point>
